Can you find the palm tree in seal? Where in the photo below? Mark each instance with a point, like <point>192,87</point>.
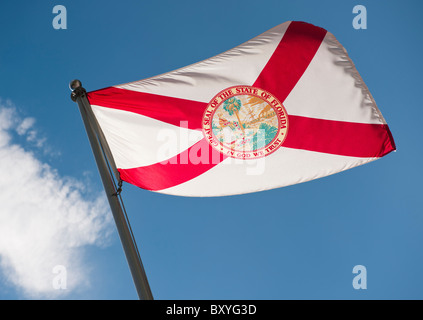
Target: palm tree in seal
<point>233,105</point>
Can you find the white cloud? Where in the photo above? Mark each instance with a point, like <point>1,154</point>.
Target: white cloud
<point>25,124</point>
<point>45,220</point>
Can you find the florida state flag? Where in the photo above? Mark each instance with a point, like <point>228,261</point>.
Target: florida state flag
<point>285,107</point>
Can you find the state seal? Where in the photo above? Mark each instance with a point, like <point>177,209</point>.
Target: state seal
<point>245,122</point>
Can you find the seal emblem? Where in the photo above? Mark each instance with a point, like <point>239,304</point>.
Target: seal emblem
<point>245,122</point>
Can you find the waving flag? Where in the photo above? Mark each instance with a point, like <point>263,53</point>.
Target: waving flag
<point>285,107</point>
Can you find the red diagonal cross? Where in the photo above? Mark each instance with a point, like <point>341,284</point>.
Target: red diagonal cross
<point>280,75</point>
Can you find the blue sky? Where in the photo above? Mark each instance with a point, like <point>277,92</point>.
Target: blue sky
<point>298,242</point>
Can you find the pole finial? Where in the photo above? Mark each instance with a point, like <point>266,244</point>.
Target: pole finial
<point>77,89</point>
<point>75,84</point>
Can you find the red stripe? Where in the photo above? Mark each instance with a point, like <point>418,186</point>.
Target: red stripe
<point>328,136</point>
<point>187,165</point>
<point>163,108</point>
<point>338,137</point>
<point>290,59</point>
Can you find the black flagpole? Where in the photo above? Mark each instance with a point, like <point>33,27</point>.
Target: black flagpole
<point>99,148</point>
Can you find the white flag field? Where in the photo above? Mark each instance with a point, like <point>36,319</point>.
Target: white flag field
<point>285,107</point>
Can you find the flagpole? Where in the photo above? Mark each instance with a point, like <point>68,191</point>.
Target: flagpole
<point>128,242</point>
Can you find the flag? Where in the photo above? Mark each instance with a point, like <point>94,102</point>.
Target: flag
<point>285,107</point>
